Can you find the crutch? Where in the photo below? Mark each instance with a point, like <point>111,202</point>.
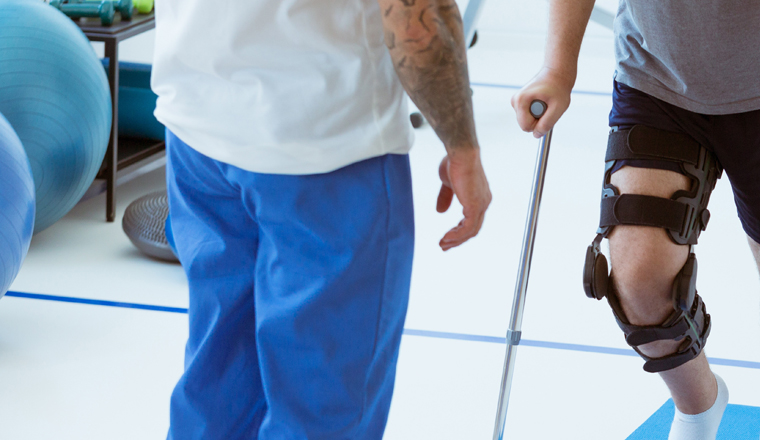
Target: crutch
<point>469,20</point>
<point>537,109</point>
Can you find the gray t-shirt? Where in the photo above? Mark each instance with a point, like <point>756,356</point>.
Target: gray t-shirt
<point>703,55</point>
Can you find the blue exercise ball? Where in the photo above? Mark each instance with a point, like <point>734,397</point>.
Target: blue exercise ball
<point>16,205</point>
<point>55,94</point>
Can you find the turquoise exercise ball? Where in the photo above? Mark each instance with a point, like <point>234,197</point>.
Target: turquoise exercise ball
<point>55,94</point>
<point>16,205</point>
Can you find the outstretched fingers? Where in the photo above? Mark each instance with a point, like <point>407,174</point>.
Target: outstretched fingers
<point>462,176</point>
<point>468,228</point>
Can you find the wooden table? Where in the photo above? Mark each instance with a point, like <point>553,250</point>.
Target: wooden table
<point>121,152</point>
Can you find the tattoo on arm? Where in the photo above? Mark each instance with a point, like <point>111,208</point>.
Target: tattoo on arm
<point>426,42</point>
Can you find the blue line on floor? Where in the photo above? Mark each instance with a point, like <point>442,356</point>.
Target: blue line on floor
<point>455,336</point>
<point>583,348</point>
<point>564,346</point>
<point>408,332</point>
<point>509,86</point>
<point>96,302</point>
<point>734,363</point>
<point>526,342</point>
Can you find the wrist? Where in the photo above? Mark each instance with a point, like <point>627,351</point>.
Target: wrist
<point>563,74</point>
<point>463,153</point>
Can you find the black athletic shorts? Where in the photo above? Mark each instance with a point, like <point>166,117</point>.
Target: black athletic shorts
<point>734,139</point>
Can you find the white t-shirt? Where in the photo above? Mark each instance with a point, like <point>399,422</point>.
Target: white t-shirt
<point>279,86</point>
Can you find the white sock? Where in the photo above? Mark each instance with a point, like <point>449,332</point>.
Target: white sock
<point>702,426</point>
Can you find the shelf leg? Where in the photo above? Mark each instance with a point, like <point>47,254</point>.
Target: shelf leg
<point>112,154</point>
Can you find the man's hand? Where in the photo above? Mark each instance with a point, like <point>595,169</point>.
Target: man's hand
<point>462,175</point>
<point>548,86</point>
<point>553,84</point>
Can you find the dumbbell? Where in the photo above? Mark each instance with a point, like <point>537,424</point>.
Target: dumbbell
<point>103,9</point>
<point>124,7</point>
<point>144,6</point>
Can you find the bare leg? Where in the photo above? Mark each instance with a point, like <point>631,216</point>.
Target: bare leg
<point>645,262</point>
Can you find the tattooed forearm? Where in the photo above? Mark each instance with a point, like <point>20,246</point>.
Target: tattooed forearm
<point>422,20</point>
<point>426,42</point>
<point>390,40</point>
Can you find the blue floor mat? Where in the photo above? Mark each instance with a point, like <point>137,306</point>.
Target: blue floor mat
<point>739,423</point>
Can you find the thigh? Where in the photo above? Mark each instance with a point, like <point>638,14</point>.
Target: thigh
<point>216,241</point>
<point>213,231</point>
<point>633,107</point>
<point>738,149</point>
<point>332,282</point>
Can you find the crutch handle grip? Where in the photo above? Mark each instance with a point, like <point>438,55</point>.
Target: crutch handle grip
<point>538,108</point>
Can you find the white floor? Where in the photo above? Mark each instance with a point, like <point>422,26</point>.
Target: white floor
<point>91,372</point>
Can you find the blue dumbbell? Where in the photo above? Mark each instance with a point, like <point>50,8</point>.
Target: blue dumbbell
<point>103,9</point>
<point>124,7</point>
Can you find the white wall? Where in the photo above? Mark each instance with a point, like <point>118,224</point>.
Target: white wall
<point>504,18</point>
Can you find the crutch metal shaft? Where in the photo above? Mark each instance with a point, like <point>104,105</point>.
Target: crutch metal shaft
<point>470,19</point>
<point>521,286</point>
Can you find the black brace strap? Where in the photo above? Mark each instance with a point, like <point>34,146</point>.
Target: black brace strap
<point>684,215</point>
<point>642,142</point>
<point>640,335</point>
<point>641,210</point>
<point>691,328</point>
<point>692,325</point>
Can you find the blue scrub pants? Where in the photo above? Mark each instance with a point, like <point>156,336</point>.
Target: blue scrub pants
<point>298,292</point>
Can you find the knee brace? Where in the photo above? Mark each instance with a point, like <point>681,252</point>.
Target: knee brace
<point>684,216</point>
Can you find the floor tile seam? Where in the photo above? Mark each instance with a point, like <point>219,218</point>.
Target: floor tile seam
<point>407,331</point>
